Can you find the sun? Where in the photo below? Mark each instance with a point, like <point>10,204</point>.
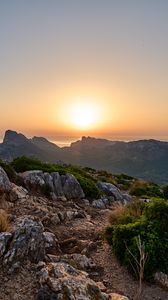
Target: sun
<point>83,115</point>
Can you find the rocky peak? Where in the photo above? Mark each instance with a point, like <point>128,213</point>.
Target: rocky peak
<point>44,143</point>
<point>92,142</point>
<point>13,138</point>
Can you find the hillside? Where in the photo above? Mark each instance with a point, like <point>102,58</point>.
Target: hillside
<point>145,159</point>
<point>54,231</point>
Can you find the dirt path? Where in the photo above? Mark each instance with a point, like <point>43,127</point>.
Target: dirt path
<point>84,233</point>
<point>115,277</point>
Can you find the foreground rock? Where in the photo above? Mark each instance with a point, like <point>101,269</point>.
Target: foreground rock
<point>102,203</point>
<point>110,190</point>
<point>162,279</point>
<point>27,243</point>
<point>5,237</point>
<point>18,193</point>
<point>71,187</point>
<point>53,184</point>
<point>5,184</point>
<point>62,281</point>
<point>115,296</point>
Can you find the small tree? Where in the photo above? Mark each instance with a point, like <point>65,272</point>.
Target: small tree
<point>140,264</point>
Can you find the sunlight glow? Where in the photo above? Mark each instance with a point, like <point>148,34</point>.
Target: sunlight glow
<point>83,115</point>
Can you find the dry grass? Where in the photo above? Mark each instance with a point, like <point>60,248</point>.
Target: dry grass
<point>4,221</point>
<point>123,214</point>
<point>116,214</point>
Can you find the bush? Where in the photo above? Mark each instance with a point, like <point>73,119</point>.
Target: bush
<point>4,221</point>
<point>152,227</point>
<point>145,189</point>
<point>126,214</point>
<point>9,171</point>
<point>23,163</point>
<point>89,187</point>
<point>123,235</point>
<point>117,214</point>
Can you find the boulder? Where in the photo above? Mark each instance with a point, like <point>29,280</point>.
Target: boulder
<point>62,281</point>
<point>75,214</point>
<point>48,179</point>
<point>115,296</point>
<point>127,197</point>
<point>71,187</point>
<point>162,279</point>
<point>18,193</point>
<point>5,184</point>
<point>58,191</point>
<point>110,189</point>
<point>99,204</point>
<point>5,237</point>
<point>33,179</point>
<point>51,243</point>
<point>53,184</point>
<point>81,262</point>
<point>27,243</point>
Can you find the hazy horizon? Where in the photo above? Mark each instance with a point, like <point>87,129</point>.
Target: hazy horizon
<point>63,141</point>
<point>94,68</point>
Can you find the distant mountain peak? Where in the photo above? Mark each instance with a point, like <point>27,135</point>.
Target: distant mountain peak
<point>40,139</point>
<point>43,143</point>
<point>12,137</point>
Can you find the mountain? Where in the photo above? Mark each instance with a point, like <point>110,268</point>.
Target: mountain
<point>146,159</point>
<point>16,144</point>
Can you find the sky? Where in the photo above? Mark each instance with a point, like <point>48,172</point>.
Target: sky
<point>70,68</point>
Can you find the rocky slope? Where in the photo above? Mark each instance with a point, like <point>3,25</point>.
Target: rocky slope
<point>55,249</point>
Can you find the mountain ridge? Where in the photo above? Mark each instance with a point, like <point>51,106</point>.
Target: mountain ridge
<point>146,159</point>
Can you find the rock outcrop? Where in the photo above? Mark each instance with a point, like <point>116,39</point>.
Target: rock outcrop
<point>102,203</point>
<point>18,193</point>
<point>53,184</point>
<point>62,281</point>
<point>110,190</point>
<point>5,184</point>
<point>5,237</point>
<point>162,279</point>
<point>27,243</point>
<point>71,187</point>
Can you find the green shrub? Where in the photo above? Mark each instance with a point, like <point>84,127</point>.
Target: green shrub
<point>122,237</point>
<point>135,208</point>
<point>121,214</point>
<point>108,234</point>
<point>89,187</point>
<point>152,227</point>
<point>145,189</point>
<point>9,171</point>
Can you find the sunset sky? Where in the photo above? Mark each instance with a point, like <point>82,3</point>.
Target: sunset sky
<point>84,67</point>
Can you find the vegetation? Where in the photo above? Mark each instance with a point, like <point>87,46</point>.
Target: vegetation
<point>4,221</point>
<point>126,214</point>
<point>145,189</point>
<point>87,182</point>
<point>151,225</point>
<point>9,170</point>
